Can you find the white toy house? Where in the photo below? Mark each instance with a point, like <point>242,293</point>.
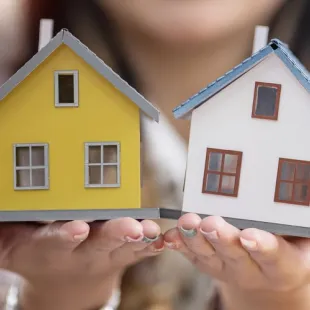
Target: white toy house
<point>249,156</point>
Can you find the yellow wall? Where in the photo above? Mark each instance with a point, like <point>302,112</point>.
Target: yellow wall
<point>28,115</point>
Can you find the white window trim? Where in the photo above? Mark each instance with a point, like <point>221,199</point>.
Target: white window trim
<point>102,164</point>
<point>75,74</point>
<point>45,167</point>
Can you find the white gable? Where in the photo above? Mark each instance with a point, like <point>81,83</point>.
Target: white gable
<point>225,122</point>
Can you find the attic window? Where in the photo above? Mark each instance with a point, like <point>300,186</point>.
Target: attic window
<point>66,88</point>
<point>222,172</point>
<point>266,101</point>
<point>102,164</point>
<point>30,166</point>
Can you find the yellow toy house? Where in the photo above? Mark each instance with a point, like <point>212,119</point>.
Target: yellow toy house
<point>70,138</point>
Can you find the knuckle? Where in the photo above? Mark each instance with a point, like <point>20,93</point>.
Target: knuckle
<point>207,257</point>
<point>235,258</point>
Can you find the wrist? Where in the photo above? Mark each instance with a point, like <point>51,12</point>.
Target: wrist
<point>67,296</point>
<point>233,298</point>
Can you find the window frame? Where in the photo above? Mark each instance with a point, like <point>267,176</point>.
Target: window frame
<point>279,181</point>
<point>45,167</point>
<point>102,164</point>
<point>75,74</point>
<point>221,173</point>
<point>277,104</point>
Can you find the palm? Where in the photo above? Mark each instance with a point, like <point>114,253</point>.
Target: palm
<point>251,260</point>
<point>50,258</point>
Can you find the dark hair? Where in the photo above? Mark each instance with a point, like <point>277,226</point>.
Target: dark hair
<point>291,24</point>
<point>301,42</point>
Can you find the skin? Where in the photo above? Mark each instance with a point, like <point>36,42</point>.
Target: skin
<point>75,264</point>
<point>255,269</point>
<point>169,46</point>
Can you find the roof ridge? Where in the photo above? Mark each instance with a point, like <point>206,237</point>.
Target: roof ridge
<point>67,32</point>
<point>21,69</point>
<point>220,78</point>
<point>274,46</point>
<point>65,37</point>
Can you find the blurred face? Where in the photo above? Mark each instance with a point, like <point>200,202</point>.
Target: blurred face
<point>12,35</point>
<point>185,20</point>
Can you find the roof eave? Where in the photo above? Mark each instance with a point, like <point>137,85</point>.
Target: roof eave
<point>64,37</point>
<point>33,63</point>
<point>90,58</point>
<point>299,75</point>
<point>194,102</point>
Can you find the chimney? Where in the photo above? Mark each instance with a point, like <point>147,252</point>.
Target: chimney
<point>46,32</point>
<point>260,38</point>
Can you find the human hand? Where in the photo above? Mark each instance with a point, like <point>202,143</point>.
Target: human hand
<point>255,269</point>
<point>75,265</point>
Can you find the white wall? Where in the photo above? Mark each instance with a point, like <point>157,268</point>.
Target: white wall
<point>225,122</point>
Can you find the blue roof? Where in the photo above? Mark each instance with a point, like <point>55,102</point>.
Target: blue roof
<point>275,46</point>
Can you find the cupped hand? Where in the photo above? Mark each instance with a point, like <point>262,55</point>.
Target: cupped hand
<point>249,261</point>
<point>76,261</point>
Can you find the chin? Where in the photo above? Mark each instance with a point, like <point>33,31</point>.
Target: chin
<point>188,23</point>
<point>194,33</point>
<point>191,21</point>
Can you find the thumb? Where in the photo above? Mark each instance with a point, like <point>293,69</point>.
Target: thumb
<point>61,235</point>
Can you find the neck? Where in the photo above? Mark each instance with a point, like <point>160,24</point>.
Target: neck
<point>169,75</point>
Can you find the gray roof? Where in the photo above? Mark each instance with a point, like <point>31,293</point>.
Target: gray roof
<point>275,46</point>
<point>65,37</point>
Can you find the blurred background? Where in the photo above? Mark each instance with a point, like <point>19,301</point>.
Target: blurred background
<point>152,45</point>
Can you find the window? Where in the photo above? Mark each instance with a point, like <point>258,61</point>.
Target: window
<point>102,165</point>
<point>66,88</point>
<point>266,101</point>
<point>222,172</point>
<point>293,182</point>
<point>30,166</point>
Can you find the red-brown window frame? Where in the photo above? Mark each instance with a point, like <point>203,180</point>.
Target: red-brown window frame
<point>221,173</point>
<point>294,161</point>
<point>271,85</point>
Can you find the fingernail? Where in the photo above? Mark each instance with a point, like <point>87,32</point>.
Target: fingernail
<point>80,237</point>
<point>249,244</point>
<point>188,233</point>
<point>129,239</point>
<point>171,245</point>
<point>212,235</point>
<point>149,240</point>
<point>160,249</point>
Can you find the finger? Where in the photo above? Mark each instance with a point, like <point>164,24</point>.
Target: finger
<point>60,236</point>
<point>112,234</point>
<point>154,248</point>
<point>174,241</point>
<point>279,260</point>
<point>151,233</point>
<point>224,238</point>
<point>128,253</point>
<point>211,265</point>
<point>189,227</point>
<point>125,255</point>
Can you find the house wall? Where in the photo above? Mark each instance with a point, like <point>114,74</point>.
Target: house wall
<point>28,115</point>
<point>225,122</point>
